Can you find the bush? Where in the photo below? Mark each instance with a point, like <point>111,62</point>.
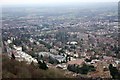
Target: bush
<point>82,70</point>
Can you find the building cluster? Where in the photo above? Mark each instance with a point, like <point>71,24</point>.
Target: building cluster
<point>65,42</point>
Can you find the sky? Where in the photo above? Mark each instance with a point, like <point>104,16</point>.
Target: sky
<point>49,1</point>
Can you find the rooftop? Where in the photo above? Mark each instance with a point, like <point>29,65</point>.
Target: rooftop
<point>78,61</point>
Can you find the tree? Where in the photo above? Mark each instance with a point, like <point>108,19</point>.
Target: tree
<point>13,56</point>
<point>62,36</point>
<point>84,69</point>
<point>69,58</point>
<point>42,65</point>
<point>88,60</point>
<point>114,72</point>
<point>24,48</point>
<point>17,42</point>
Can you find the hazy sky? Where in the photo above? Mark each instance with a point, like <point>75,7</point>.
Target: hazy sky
<point>49,1</point>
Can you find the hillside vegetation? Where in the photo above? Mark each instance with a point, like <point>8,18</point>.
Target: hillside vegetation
<point>15,69</point>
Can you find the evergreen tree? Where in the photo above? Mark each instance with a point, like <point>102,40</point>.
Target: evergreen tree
<point>13,56</point>
<point>42,65</point>
<point>114,72</point>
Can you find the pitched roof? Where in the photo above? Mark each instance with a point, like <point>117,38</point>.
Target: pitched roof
<point>78,62</point>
